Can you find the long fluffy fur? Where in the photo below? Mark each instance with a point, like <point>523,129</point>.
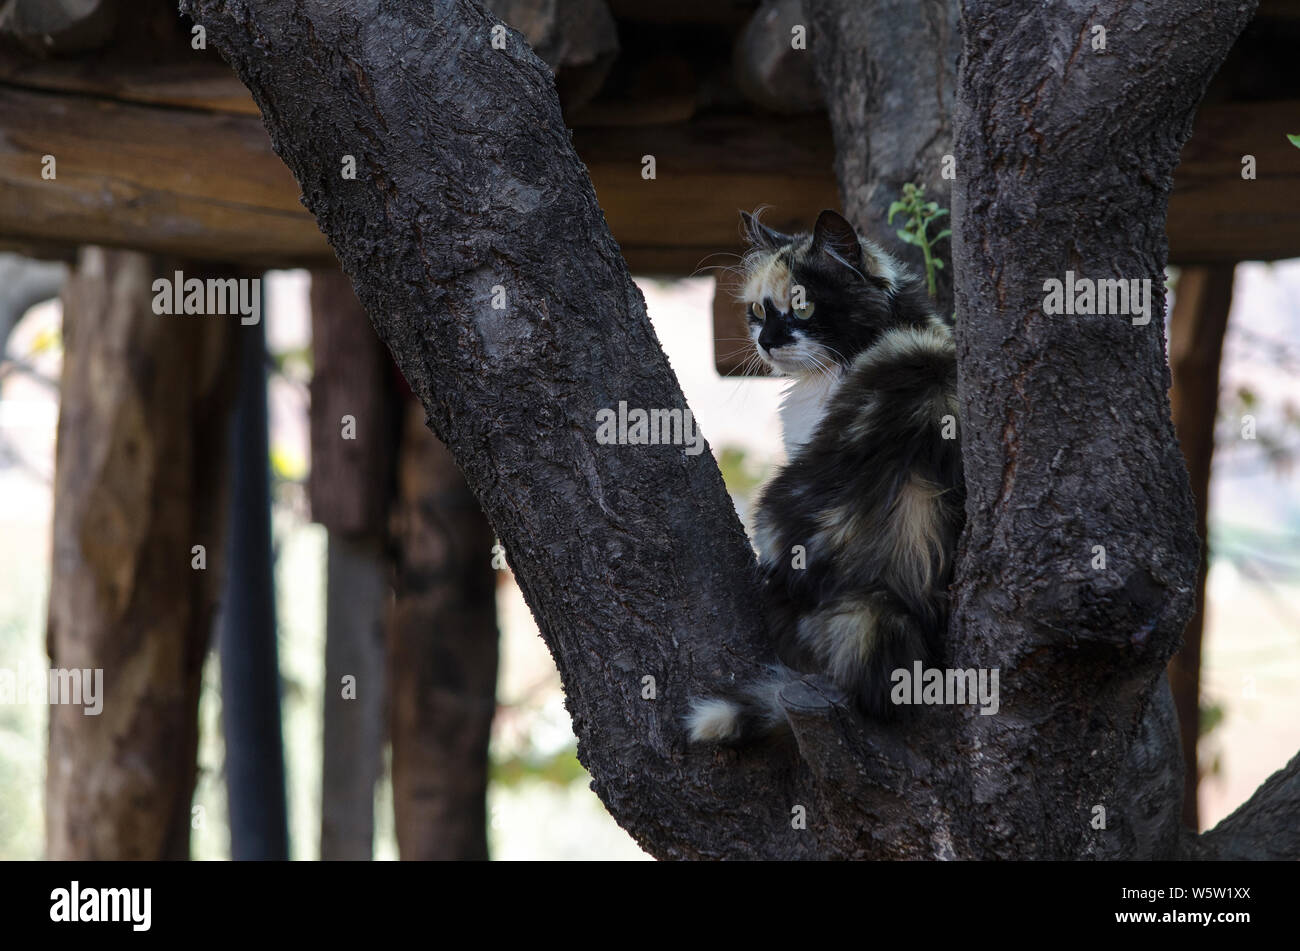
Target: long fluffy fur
<point>872,495</point>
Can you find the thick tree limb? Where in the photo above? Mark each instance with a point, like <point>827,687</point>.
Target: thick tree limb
<point>887,70</point>
<point>1065,155</point>
<point>1265,827</point>
<point>631,558</point>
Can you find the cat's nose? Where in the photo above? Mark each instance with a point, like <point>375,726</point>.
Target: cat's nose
<point>773,337</point>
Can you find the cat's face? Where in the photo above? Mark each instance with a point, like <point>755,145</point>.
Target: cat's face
<point>815,301</point>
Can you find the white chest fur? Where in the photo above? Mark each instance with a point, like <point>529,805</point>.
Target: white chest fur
<point>803,407</point>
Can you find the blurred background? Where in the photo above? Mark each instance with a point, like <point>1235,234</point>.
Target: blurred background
<point>539,805</point>
<point>312,647</point>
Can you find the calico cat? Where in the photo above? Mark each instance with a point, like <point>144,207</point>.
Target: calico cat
<point>856,532</point>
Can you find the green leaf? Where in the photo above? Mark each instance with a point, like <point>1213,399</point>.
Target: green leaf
<point>940,213</point>
<point>940,236</point>
<point>894,209</point>
<point>938,264</point>
<point>1295,139</point>
<point>906,236</point>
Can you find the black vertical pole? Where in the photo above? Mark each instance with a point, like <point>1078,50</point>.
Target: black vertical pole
<point>250,671</point>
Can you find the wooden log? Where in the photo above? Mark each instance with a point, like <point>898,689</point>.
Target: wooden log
<point>353,445</point>
<point>250,671</point>
<point>1216,215</point>
<point>770,70</point>
<point>731,355</point>
<point>576,38</point>
<point>188,83</point>
<point>139,481</point>
<point>192,184</point>
<point>208,185</point>
<point>1196,330</point>
<point>59,26</point>
<point>355,415</point>
<point>352,754</point>
<point>698,12</point>
<point>442,654</point>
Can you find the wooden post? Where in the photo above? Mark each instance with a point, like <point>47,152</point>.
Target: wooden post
<point>351,486</point>
<point>1200,319</point>
<point>138,527</point>
<point>442,654</point>
<point>250,674</point>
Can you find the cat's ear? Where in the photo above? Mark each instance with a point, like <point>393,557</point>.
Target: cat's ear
<point>760,235</point>
<point>834,233</point>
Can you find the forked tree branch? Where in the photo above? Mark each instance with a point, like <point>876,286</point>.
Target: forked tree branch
<point>631,557</point>
<point>467,187</point>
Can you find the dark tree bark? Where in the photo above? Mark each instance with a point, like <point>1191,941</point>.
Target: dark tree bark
<point>888,74</point>
<point>139,481</point>
<point>1065,156</point>
<point>442,654</point>
<point>631,557</point>
<point>1196,329</point>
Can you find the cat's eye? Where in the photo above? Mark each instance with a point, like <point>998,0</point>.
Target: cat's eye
<point>756,309</point>
<point>804,312</point>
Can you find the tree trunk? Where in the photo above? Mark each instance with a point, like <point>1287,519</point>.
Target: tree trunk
<point>1078,568</point>
<point>1196,331</point>
<point>139,482</point>
<point>888,74</point>
<point>631,557</point>
<point>442,650</point>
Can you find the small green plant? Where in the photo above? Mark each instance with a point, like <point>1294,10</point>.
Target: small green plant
<point>920,213</point>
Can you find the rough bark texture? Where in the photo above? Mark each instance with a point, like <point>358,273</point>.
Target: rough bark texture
<point>888,74</point>
<point>442,654</point>
<point>1264,828</point>
<point>631,557</point>
<point>139,480</point>
<point>1065,156</point>
<point>1196,330</point>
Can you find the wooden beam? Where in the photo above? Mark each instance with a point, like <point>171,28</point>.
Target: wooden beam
<point>705,173</point>
<point>1278,10</point>
<point>190,83</point>
<point>697,12</point>
<point>59,26</point>
<point>196,184</point>
<point>1215,215</point>
<point>207,185</point>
